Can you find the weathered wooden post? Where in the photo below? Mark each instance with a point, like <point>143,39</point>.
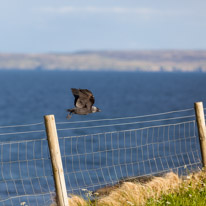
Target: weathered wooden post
<point>55,154</point>
<point>200,118</point>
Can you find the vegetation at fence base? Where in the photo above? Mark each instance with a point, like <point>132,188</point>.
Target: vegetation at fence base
<point>168,190</point>
<point>132,193</point>
<point>191,192</point>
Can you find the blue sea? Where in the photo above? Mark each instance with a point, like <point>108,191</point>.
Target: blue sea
<point>27,96</point>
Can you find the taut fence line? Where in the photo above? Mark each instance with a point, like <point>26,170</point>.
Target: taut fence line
<point>41,170</point>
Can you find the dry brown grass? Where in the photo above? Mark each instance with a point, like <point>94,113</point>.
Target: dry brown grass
<point>77,201</point>
<point>134,193</point>
<point>194,179</point>
<point>74,201</point>
<point>137,193</point>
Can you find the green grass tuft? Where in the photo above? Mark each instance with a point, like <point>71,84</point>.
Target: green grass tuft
<point>190,193</point>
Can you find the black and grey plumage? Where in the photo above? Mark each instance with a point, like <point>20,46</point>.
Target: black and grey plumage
<point>83,103</point>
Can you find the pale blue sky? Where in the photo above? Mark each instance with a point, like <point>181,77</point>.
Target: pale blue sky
<point>67,26</point>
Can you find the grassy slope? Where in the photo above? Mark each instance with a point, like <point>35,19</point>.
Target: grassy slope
<point>168,190</point>
<point>191,192</point>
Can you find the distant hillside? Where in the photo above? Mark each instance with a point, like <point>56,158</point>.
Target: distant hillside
<point>109,60</point>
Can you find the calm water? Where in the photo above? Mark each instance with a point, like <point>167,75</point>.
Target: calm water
<point>25,97</point>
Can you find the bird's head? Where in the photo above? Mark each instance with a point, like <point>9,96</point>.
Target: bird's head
<point>95,109</point>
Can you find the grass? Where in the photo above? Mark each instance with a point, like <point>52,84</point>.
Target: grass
<point>191,192</point>
<point>168,190</point>
<point>134,193</point>
<point>192,197</point>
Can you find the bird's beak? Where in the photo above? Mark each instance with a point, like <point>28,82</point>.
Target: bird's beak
<point>98,110</point>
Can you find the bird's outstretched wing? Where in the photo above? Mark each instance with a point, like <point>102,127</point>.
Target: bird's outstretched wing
<point>90,98</point>
<point>83,98</point>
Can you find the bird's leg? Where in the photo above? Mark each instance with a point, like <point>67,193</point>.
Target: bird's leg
<point>69,116</point>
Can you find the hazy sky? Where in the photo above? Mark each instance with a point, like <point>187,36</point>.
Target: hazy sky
<point>74,25</point>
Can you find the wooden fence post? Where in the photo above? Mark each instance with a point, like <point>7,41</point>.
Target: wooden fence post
<point>55,154</point>
<point>200,118</point>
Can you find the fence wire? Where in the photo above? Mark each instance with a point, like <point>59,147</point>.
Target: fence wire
<point>25,172</point>
<point>95,154</point>
<point>104,159</point>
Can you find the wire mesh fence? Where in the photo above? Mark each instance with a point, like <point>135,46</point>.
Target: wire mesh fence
<point>95,154</point>
<point>98,160</point>
<point>25,169</point>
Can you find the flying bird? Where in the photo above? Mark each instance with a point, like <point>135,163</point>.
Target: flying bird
<point>83,103</point>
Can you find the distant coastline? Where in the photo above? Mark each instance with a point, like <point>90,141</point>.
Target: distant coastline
<point>146,61</point>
